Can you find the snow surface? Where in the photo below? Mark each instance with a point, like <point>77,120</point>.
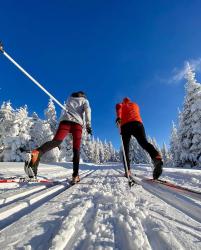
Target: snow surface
<point>101,212</point>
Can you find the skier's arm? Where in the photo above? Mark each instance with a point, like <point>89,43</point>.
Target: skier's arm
<point>87,111</point>
<point>118,112</point>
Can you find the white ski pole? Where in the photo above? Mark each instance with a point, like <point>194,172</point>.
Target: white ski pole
<point>29,76</point>
<point>130,181</point>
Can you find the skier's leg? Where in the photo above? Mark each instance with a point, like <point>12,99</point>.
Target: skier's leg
<point>36,154</point>
<point>140,135</point>
<point>47,146</point>
<point>62,132</point>
<point>77,136</point>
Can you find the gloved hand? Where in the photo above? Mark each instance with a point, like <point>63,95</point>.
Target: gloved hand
<point>118,121</point>
<point>89,130</point>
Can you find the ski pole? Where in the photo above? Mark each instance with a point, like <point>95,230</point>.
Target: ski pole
<point>130,181</point>
<point>29,76</point>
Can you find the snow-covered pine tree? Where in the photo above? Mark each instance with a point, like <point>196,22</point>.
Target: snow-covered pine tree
<point>6,123</point>
<point>87,149</point>
<point>106,151</point>
<point>96,155</point>
<point>18,140</point>
<point>112,152</point>
<point>83,147</point>
<point>189,131</point>
<point>19,133</point>
<point>102,152</point>
<point>90,149</point>
<point>154,143</point>
<point>40,132</point>
<point>66,149</point>
<point>174,147</point>
<point>50,114</point>
<point>137,153</point>
<point>165,155</point>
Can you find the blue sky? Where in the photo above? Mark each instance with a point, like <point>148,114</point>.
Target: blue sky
<point>109,49</point>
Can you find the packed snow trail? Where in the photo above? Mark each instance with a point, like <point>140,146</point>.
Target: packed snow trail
<point>103,213</point>
<point>28,201</point>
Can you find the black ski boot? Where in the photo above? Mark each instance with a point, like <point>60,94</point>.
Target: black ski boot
<point>75,179</point>
<point>158,163</point>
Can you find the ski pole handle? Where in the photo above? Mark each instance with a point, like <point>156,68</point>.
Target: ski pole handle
<point>1,46</point>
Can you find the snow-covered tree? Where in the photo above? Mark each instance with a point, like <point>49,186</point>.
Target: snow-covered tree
<point>87,147</point>
<point>50,114</point>
<point>137,153</point>
<point>20,133</point>
<point>96,155</point>
<point>101,152</point>
<point>106,151</point>
<point>17,142</point>
<point>165,155</point>
<point>154,143</point>
<point>6,123</point>
<point>112,152</point>
<point>66,149</point>
<point>174,147</point>
<point>189,131</point>
<point>40,132</point>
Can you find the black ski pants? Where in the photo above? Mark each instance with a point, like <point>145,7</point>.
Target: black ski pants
<point>137,130</point>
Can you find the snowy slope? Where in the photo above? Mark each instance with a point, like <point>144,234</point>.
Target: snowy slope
<point>101,212</point>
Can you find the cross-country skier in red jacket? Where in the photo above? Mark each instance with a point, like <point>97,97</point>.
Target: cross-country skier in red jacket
<point>130,122</point>
<point>72,121</point>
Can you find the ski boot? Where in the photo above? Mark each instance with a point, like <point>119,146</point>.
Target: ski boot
<point>75,179</point>
<point>31,163</point>
<point>158,163</point>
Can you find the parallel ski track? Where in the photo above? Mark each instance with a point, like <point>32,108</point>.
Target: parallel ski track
<point>101,213</point>
<point>183,201</point>
<point>21,204</point>
<point>32,188</point>
<point>97,210</point>
<point>85,221</point>
<point>194,231</point>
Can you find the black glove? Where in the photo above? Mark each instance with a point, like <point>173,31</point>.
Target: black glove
<point>89,130</point>
<point>118,121</point>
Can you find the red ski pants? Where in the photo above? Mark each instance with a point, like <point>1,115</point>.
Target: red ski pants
<point>65,128</point>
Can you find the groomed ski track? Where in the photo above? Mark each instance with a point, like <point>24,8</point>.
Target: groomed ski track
<point>101,212</point>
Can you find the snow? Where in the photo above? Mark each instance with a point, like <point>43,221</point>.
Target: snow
<point>101,212</point>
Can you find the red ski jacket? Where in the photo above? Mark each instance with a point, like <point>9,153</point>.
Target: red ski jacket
<point>128,111</point>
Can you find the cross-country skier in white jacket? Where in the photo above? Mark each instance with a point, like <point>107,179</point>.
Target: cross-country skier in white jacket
<point>72,121</point>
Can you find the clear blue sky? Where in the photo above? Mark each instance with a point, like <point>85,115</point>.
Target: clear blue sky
<point>109,49</point>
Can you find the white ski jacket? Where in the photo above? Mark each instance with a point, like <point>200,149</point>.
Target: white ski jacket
<point>77,110</point>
